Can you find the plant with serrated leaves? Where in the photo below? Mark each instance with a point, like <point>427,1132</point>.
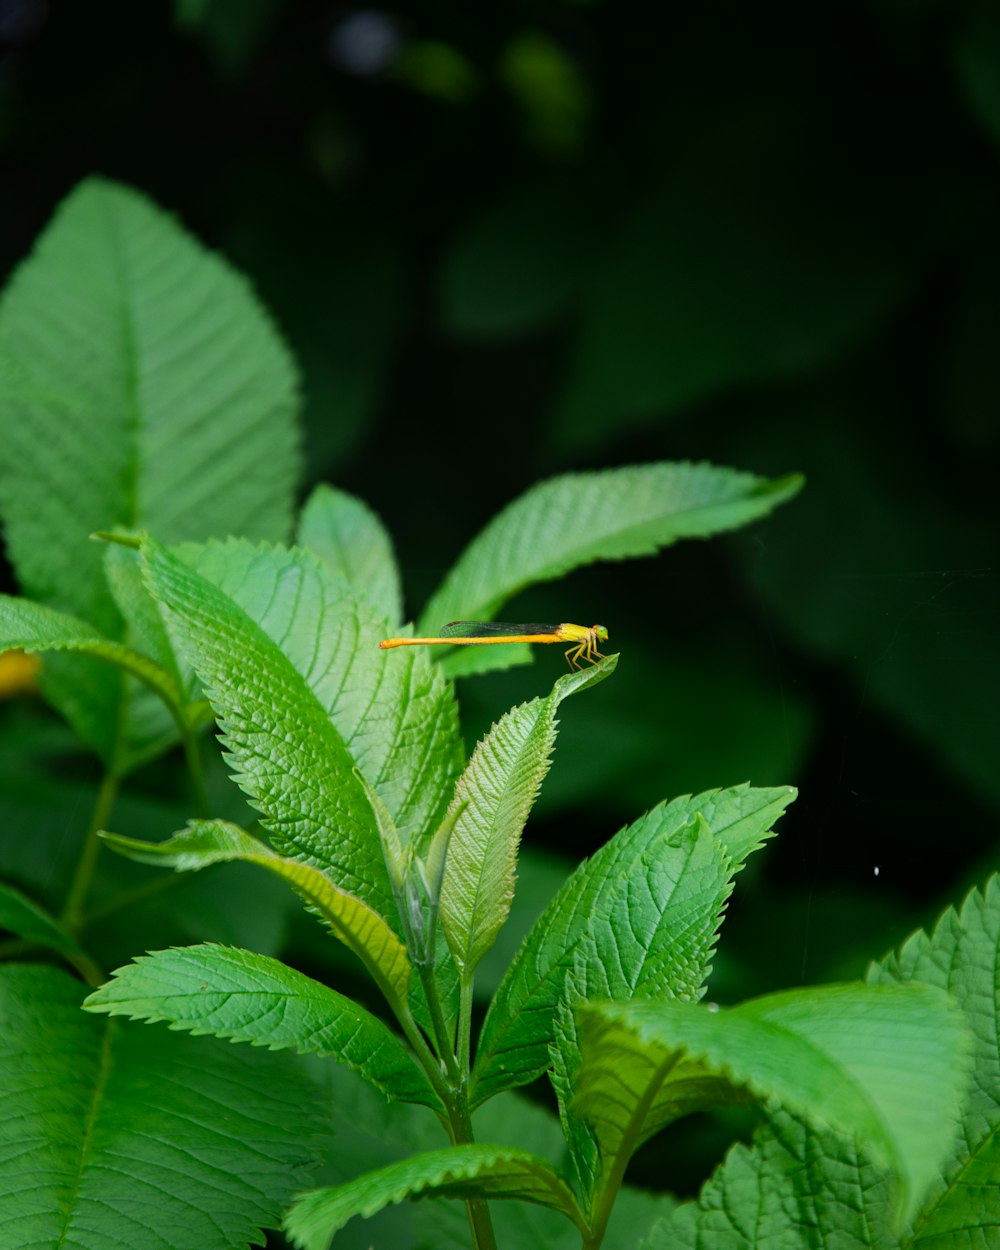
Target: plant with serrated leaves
<point>404,850</point>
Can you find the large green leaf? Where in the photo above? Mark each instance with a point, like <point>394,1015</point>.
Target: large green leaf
<point>395,714</point>
<point>247,997</point>
<point>795,1186</point>
<point>292,762</point>
<point>23,917</point>
<point>151,728</point>
<point>351,541</point>
<point>118,1137</point>
<point>35,627</point>
<point>960,956</point>
<point>615,514</point>
<point>127,721</point>
<point>886,1063</point>
<point>361,929</point>
<point>653,938</point>
<point>141,385</point>
<point>154,384</point>
<point>457,1172</point>
<point>495,794</point>
<point>649,900</point>
<point>795,1176</point>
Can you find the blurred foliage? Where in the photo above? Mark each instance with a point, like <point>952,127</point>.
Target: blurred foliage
<point>508,240</point>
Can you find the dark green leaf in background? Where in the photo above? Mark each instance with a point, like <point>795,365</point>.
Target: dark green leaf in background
<point>23,917</point>
<point>747,260</point>
<point>516,266</point>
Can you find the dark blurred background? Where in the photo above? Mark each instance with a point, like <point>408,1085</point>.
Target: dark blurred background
<point>509,240</point>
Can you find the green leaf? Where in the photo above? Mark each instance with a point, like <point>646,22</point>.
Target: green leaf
<point>149,391</point>
<point>230,29</point>
<point>247,997</point>
<point>654,940</point>
<point>497,790</point>
<point>661,871</point>
<point>466,661</point>
<point>456,1172</point>
<point>960,956</point>
<point>885,1063</point>
<point>352,543</point>
<point>23,917</point>
<point>614,514</point>
<point>125,1138</point>
<point>794,1175</point>
<point>141,385</point>
<point>151,728</point>
<point>144,626</point>
<point>794,1178</point>
<point>34,627</point>
<point>361,929</point>
<point>395,714</point>
<point>292,761</point>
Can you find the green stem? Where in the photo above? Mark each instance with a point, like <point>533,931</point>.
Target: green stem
<point>440,1026</point>
<point>456,1101</point>
<point>463,1049</point>
<point>483,1237</point>
<point>72,912</point>
<point>477,1209</point>
<point>427,1058</point>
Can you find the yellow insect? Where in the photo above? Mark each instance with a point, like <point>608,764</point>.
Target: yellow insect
<point>488,633</point>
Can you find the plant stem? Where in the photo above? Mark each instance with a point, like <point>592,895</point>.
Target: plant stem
<point>483,1237</point>
<point>441,1033</point>
<point>73,910</point>
<point>428,1059</point>
<point>480,1221</point>
<point>463,1048</point>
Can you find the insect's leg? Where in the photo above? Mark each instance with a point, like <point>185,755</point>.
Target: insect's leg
<point>573,654</point>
